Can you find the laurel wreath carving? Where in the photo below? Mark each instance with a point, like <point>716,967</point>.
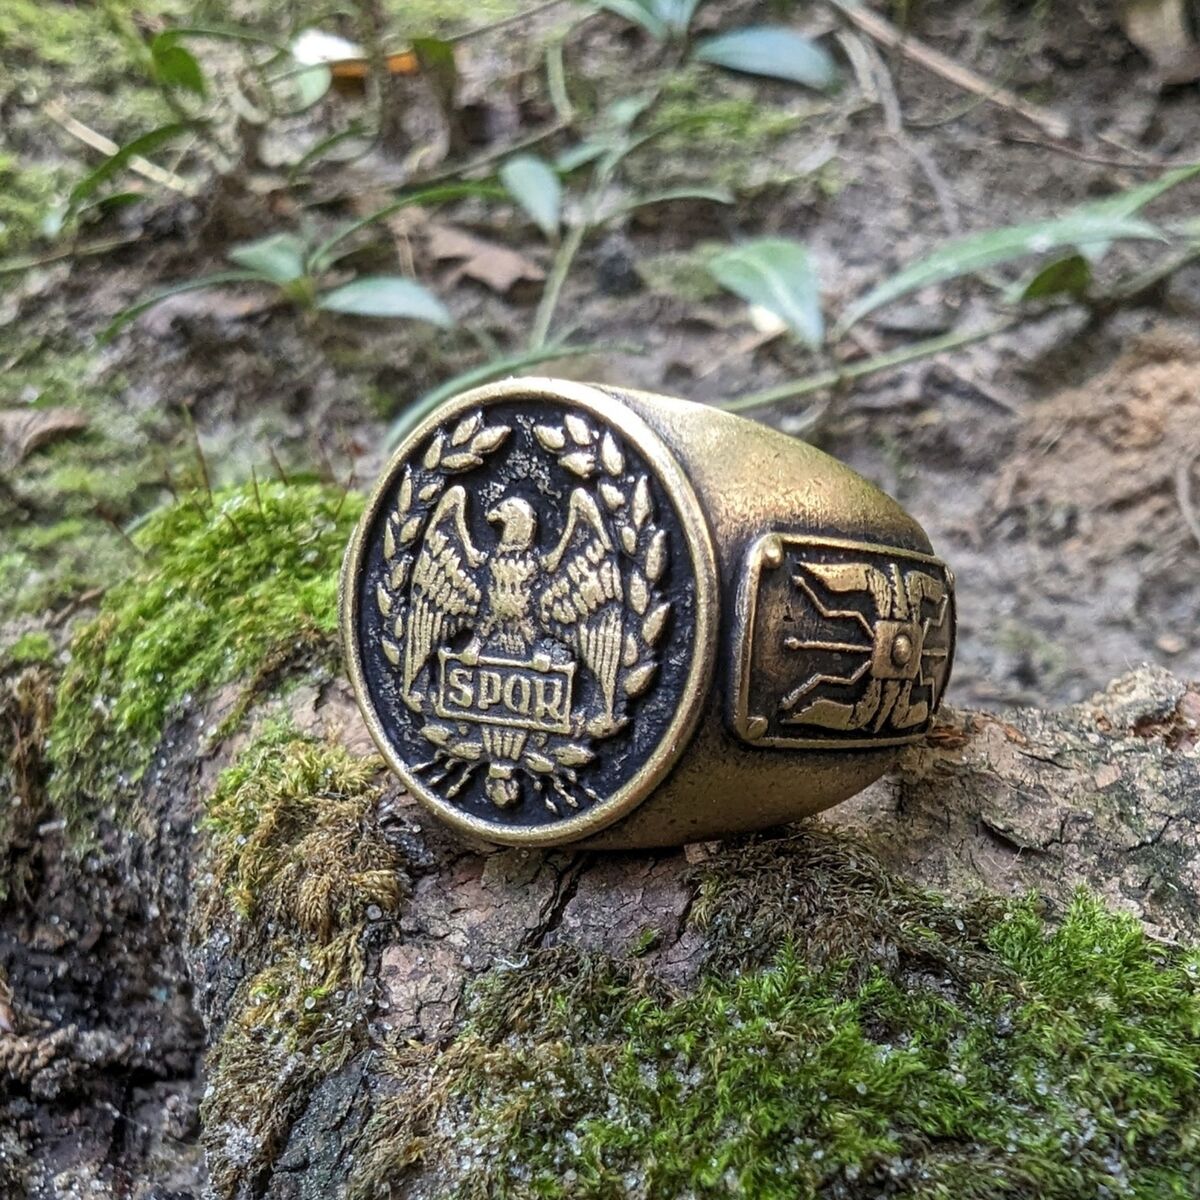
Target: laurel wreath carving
<point>588,454</point>
<point>584,452</point>
<point>467,447</point>
<point>593,457</point>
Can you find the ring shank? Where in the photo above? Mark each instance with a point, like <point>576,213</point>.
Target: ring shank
<point>835,636</point>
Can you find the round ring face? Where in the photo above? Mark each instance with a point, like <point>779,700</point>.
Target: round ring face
<point>529,609</point>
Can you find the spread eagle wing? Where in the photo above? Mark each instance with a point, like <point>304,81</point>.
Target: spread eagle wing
<point>582,597</point>
<point>443,596</point>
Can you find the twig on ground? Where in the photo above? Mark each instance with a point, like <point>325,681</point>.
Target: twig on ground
<point>893,116</point>
<point>505,22</point>
<point>886,34</point>
<point>989,393</point>
<point>72,606</point>
<point>1141,163</point>
<point>142,166</point>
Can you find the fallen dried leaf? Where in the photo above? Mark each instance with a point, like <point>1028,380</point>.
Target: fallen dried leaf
<point>219,304</point>
<point>1160,30</point>
<point>493,265</point>
<point>23,430</point>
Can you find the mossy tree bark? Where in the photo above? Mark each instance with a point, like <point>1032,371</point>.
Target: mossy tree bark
<point>861,1005</point>
<point>1100,797</point>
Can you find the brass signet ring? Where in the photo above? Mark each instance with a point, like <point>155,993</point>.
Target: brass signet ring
<point>579,612</point>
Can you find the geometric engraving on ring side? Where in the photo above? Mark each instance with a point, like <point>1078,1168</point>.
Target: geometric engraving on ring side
<point>844,644</point>
<point>519,653</point>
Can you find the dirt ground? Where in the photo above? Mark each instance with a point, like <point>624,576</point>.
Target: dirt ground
<point>1053,466</point>
<point>1043,463</point>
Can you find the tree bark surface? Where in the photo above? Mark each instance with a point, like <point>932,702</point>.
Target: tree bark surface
<point>100,1092</point>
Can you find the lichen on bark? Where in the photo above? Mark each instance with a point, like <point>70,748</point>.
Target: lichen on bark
<point>294,872</point>
<point>851,1036</point>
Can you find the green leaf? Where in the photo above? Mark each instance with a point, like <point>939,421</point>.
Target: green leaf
<point>321,147</point>
<point>676,15</point>
<point>661,19</point>
<point>279,258</point>
<point>436,56</point>
<point>1131,201</point>
<point>715,193</point>
<point>532,183</point>
<point>978,251</point>
<point>439,70</point>
<point>774,51</point>
<point>777,274</point>
<point>230,33</point>
<point>640,12</point>
<point>387,296</point>
<point>718,195</point>
<point>1068,276</point>
<point>578,156</point>
<point>176,66</point>
<point>621,115</point>
<point>126,315</point>
<point>146,144</point>
<point>311,84</point>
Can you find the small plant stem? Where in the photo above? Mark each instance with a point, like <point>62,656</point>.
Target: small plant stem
<point>567,250</point>
<point>14,265</point>
<point>381,88</point>
<point>481,161</point>
<point>837,377</point>
<point>569,247</point>
<point>556,81</point>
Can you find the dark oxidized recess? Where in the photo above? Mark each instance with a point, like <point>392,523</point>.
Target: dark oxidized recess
<point>528,611</point>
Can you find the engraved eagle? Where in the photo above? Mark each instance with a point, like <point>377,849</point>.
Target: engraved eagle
<point>514,593</point>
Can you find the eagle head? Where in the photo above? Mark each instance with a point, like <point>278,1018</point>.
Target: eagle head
<point>517,523</point>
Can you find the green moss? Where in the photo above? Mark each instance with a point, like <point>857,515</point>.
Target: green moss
<point>46,49</point>
<point>26,707</point>
<point>1045,659</point>
<point>287,843</point>
<point>27,195</point>
<point>63,505</point>
<point>222,587</point>
<point>56,35</point>
<point>45,372</point>
<point>718,128</point>
<point>868,1042</point>
<point>417,18</point>
<point>297,867</point>
<point>45,565</point>
<point>35,646</point>
<point>682,273</point>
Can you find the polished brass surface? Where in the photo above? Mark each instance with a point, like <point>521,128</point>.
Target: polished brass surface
<point>576,613</point>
